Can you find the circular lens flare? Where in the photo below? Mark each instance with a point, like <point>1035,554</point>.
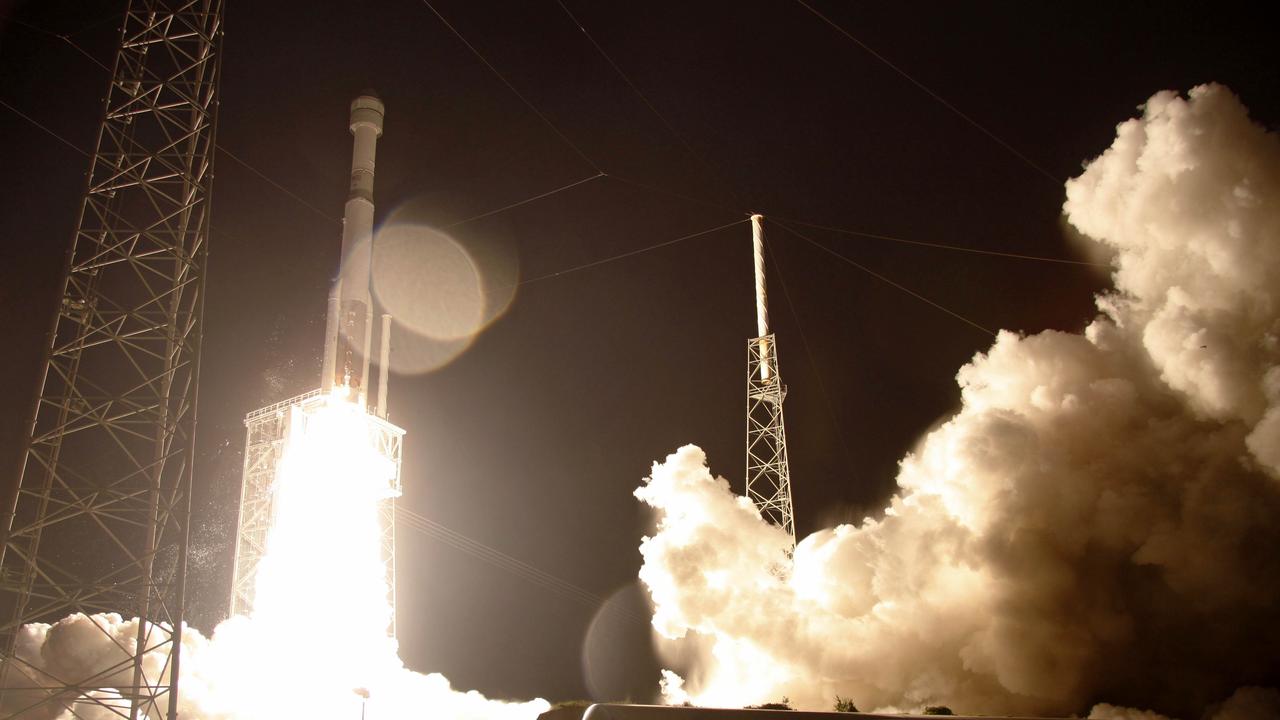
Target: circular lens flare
<point>441,292</point>
<point>428,282</point>
<point>618,661</point>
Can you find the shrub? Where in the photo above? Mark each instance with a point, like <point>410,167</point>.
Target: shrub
<point>784,704</point>
<point>844,704</point>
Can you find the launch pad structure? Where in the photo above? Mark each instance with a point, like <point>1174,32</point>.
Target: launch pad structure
<point>345,374</point>
<point>267,431</point>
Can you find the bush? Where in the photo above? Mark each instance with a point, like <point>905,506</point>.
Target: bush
<point>844,704</point>
<point>938,710</point>
<point>785,704</point>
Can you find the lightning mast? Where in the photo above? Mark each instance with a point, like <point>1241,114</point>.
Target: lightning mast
<point>101,515</point>
<point>768,475</point>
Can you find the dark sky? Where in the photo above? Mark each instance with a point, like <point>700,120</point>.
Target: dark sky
<point>532,440</point>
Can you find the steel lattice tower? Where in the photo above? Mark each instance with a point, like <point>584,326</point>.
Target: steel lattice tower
<point>101,516</point>
<point>768,475</point>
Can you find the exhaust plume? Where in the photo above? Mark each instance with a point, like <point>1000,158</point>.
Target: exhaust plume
<point>1096,523</point>
<point>316,644</point>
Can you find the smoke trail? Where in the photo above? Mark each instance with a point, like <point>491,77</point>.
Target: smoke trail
<point>1096,522</point>
<point>316,645</point>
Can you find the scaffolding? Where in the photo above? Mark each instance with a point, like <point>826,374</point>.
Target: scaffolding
<point>100,518</point>
<point>768,474</point>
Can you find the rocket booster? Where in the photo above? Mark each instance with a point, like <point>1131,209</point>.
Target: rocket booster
<point>349,323</point>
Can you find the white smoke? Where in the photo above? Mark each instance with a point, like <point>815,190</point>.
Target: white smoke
<point>1096,522</point>
<point>234,676</point>
<point>1247,703</point>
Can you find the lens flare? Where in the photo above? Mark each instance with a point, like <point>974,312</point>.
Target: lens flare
<point>617,656</point>
<point>429,282</point>
<point>441,291</point>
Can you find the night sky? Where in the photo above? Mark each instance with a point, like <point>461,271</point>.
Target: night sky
<point>532,440</point>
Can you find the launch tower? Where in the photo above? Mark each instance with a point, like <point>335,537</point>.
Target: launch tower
<point>768,475</point>
<point>100,518</point>
<point>344,378</point>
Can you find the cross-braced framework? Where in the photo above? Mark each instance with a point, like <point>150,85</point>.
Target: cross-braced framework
<point>267,430</point>
<point>265,433</point>
<point>101,516</point>
<point>768,475</point>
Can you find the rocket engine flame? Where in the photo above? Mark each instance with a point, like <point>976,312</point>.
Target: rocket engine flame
<point>1096,522</point>
<point>323,563</point>
<point>316,644</point>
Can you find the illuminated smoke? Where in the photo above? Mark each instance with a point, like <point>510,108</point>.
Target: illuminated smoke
<point>316,645</point>
<point>1247,703</point>
<point>1097,523</point>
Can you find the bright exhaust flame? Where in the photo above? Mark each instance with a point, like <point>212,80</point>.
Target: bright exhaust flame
<point>316,645</point>
<point>323,564</point>
<point>325,541</point>
<point>323,569</point>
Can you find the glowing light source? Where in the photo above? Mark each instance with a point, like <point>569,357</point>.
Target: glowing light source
<point>317,644</point>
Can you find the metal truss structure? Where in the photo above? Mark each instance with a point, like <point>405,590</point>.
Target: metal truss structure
<point>100,519</point>
<point>265,433</point>
<point>768,474</point>
<point>267,430</point>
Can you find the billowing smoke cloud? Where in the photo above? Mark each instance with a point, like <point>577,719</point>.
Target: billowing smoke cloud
<point>234,676</point>
<point>1247,703</point>
<point>1097,523</point>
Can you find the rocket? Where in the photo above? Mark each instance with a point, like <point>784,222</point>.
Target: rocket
<point>348,340</point>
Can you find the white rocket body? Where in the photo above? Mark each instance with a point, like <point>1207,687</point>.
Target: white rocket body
<point>348,340</point>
